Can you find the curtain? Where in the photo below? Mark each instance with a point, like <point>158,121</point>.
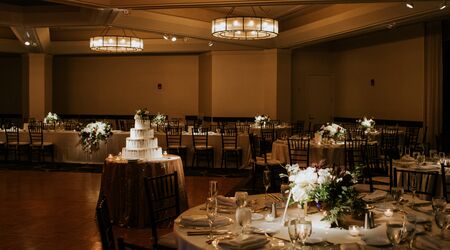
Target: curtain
<point>433,80</point>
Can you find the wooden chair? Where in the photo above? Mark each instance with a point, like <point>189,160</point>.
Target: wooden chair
<point>389,143</point>
<point>3,148</point>
<point>426,181</point>
<point>298,149</point>
<point>411,138</point>
<point>243,128</point>
<point>354,152</point>
<point>105,228</point>
<point>201,147</point>
<point>378,170</point>
<point>261,161</point>
<point>297,127</point>
<point>230,146</point>
<point>164,203</point>
<point>37,143</point>
<point>267,135</point>
<point>355,133</point>
<point>445,183</point>
<point>174,135</point>
<point>14,144</point>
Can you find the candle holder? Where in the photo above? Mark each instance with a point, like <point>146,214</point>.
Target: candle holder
<point>353,230</point>
<point>388,212</point>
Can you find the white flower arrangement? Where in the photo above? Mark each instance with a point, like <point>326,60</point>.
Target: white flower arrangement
<point>261,120</point>
<point>368,125</point>
<point>159,119</point>
<point>51,118</point>
<point>142,114</point>
<point>92,134</point>
<point>333,130</point>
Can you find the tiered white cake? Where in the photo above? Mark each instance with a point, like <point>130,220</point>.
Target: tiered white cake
<point>141,144</point>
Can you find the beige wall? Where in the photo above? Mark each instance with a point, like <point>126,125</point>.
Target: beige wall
<point>395,60</point>
<point>205,85</point>
<point>11,84</point>
<point>121,84</point>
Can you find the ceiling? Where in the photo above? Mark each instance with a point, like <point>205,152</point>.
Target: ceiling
<point>65,26</point>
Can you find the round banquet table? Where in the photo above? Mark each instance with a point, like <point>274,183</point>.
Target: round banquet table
<point>123,185</point>
<point>338,237</point>
<point>333,154</point>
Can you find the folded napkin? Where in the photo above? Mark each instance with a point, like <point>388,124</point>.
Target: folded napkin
<point>375,196</point>
<point>244,242</point>
<point>430,243</point>
<point>407,158</point>
<point>226,201</point>
<point>350,246</point>
<point>202,221</point>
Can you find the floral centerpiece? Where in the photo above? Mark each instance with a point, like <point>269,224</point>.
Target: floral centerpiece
<point>332,130</point>
<point>159,119</point>
<point>51,118</point>
<point>92,134</point>
<point>261,120</point>
<point>142,114</point>
<point>332,192</point>
<point>367,125</point>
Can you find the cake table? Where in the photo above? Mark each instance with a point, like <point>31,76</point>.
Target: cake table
<point>123,185</point>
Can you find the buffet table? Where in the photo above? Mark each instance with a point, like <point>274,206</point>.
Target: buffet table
<point>322,237</point>
<point>123,185</point>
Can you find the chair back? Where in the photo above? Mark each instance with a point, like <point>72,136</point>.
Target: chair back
<point>299,150</point>
<point>355,133</point>
<point>36,133</point>
<point>163,200</point>
<point>200,138</point>
<point>297,127</point>
<point>411,137</point>
<point>229,138</point>
<point>426,182</point>
<point>243,128</point>
<point>354,152</point>
<point>174,136</point>
<point>445,183</point>
<point>104,224</point>
<point>389,142</point>
<point>12,135</point>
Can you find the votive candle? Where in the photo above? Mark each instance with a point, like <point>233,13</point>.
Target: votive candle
<point>388,212</point>
<point>353,230</point>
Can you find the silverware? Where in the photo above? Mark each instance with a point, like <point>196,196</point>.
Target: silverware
<point>206,232</point>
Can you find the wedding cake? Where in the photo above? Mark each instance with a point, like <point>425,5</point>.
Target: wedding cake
<point>141,144</point>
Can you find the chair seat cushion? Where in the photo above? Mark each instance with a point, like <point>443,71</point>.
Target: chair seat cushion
<point>44,144</point>
<point>168,240</point>
<point>232,148</point>
<point>203,147</point>
<point>21,143</point>
<point>177,146</point>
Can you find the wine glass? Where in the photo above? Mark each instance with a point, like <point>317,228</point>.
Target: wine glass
<point>420,159</point>
<point>413,183</point>
<point>211,212</point>
<point>293,232</point>
<point>409,230</point>
<point>407,151</point>
<point>241,199</point>
<point>438,204</point>
<point>304,229</point>
<point>443,222</point>
<point>441,157</point>
<point>415,154</point>
<point>213,188</point>
<point>434,155</point>
<point>243,217</point>
<point>397,193</point>
<point>394,232</point>
<point>266,182</point>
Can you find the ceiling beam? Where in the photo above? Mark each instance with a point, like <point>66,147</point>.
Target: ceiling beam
<point>43,35</point>
<point>164,4</point>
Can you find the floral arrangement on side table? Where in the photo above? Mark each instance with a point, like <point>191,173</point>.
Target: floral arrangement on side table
<point>368,125</point>
<point>51,118</point>
<point>142,114</point>
<point>333,192</point>
<point>333,130</point>
<point>159,119</point>
<point>261,120</point>
<point>92,134</point>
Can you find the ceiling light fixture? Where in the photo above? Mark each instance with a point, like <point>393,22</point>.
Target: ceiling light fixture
<point>166,37</point>
<point>210,43</point>
<point>244,27</point>
<point>27,43</point>
<point>116,43</point>
<point>409,4</point>
<point>443,5</point>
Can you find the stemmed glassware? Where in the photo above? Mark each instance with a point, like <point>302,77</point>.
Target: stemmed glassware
<point>407,151</point>
<point>438,204</point>
<point>395,230</point>
<point>397,193</point>
<point>292,230</point>
<point>443,222</point>
<point>213,189</point>
<point>420,159</point>
<point>266,182</point>
<point>415,154</point>
<point>211,212</point>
<point>413,182</point>
<point>441,157</point>
<point>241,199</point>
<point>243,218</point>
<point>304,229</point>
<point>410,230</point>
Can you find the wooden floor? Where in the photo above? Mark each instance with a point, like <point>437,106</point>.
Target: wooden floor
<point>56,210</point>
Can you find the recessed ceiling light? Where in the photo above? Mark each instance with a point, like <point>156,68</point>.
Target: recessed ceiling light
<point>166,37</point>
<point>443,5</point>
<point>173,39</point>
<point>210,44</point>
<point>27,43</point>
<point>409,4</point>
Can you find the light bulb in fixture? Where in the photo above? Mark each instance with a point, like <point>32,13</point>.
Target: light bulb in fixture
<point>210,43</point>
<point>173,39</point>
<point>27,43</point>
<point>443,5</point>
<point>409,4</point>
<point>166,37</point>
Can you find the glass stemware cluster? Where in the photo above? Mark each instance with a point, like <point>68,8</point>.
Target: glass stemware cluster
<point>442,218</point>
<point>299,229</point>
<point>211,206</point>
<point>243,213</point>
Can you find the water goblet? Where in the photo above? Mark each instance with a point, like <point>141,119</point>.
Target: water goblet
<point>441,157</point>
<point>397,193</point>
<point>293,232</point>
<point>304,229</point>
<point>243,218</point>
<point>241,199</point>
<point>413,183</point>
<point>213,188</point>
<point>407,151</point>
<point>438,204</point>
<point>410,230</point>
<point>394,232</point>
<point>415,154</point>
<point>211,212</point>
<point>443,222</point>
<point>434,155</point>
<point>266,182</point>
<point>420,159</point>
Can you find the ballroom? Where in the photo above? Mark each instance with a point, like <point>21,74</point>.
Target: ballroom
<point>219,124</point>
